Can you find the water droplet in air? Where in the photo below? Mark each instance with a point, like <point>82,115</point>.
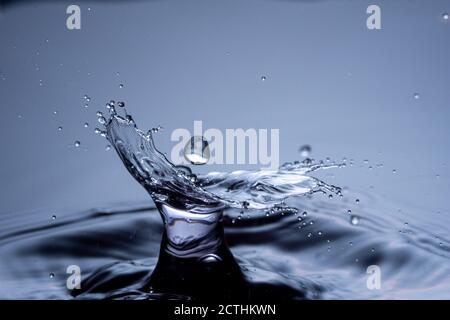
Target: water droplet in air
<point>197,151</point>
<point>86,125</point>
<point>357,200</point>
<point>394,171</point>
<point>263,78</point>
<point>304,213</point>
<point>53,217</point>
<point>416,96</point>
<point>77,143</point>
<point>101,120</point>
<point>60,128</point>
<point>120,86</point>
<point>97,131</point>
<point>354,220</point>
<point>445,16</point>
<point>305,150</point>
<point>51,275</point>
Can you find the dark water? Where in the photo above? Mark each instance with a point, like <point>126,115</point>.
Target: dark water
<point>117,250</point>
<point>243,235</point>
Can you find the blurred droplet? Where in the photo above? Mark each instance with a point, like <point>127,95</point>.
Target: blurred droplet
<point>354,220</point>
<point>305,150</point>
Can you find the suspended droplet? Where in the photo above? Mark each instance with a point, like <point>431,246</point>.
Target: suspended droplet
<point>86,125</point>
<point>51,275</point>
<point>120,86</point>
<point>77,143</point>
<point>354,220</point>
<point>263,78</point>
<point>197,151</point>
<point>357,200</point>
<point>416,96</point>
<point>305,150</point>
<point>60,128</point>
<point>394,171</point>
<point>101,120</point>
<point>445,16</point>
<point>108,147</point>
<point>53,217</point>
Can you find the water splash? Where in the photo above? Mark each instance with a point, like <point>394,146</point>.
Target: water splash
<point>178,187</point>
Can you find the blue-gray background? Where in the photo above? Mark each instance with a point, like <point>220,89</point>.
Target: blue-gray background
<point>331,83</point>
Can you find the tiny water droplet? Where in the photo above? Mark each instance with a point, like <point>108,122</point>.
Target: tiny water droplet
<point>263,78</point>
<point>304,213</point>
<point>197,151</point>
<point>354,220</point>
<point>97,131</point>
<point>394,171</point>
<point>445,16</point>
<point>51,275</point>
<point>108,147</point>
<point>357,200</point>
<point>99,114</point>
<point>86,125</point>
<point>416,96</point>
<point>53,217</point>
<point>121,86</point>
<point>101,120</point>
<point>60,128</point>
<point>305,150</point>
<point>77,143</point>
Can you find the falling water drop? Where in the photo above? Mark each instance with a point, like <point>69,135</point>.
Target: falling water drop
<point>263,78</point>
<point>445,16</point>
<point>416,96</point>
<point>51,275</point>
<point>305,150</point>
<point>60,128</point>
<point>86,125</point>
<point>53,217</point>
<point>77,143</point>
<point>121,86</point>
<point>197,151</point>
<point>354,220</point>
